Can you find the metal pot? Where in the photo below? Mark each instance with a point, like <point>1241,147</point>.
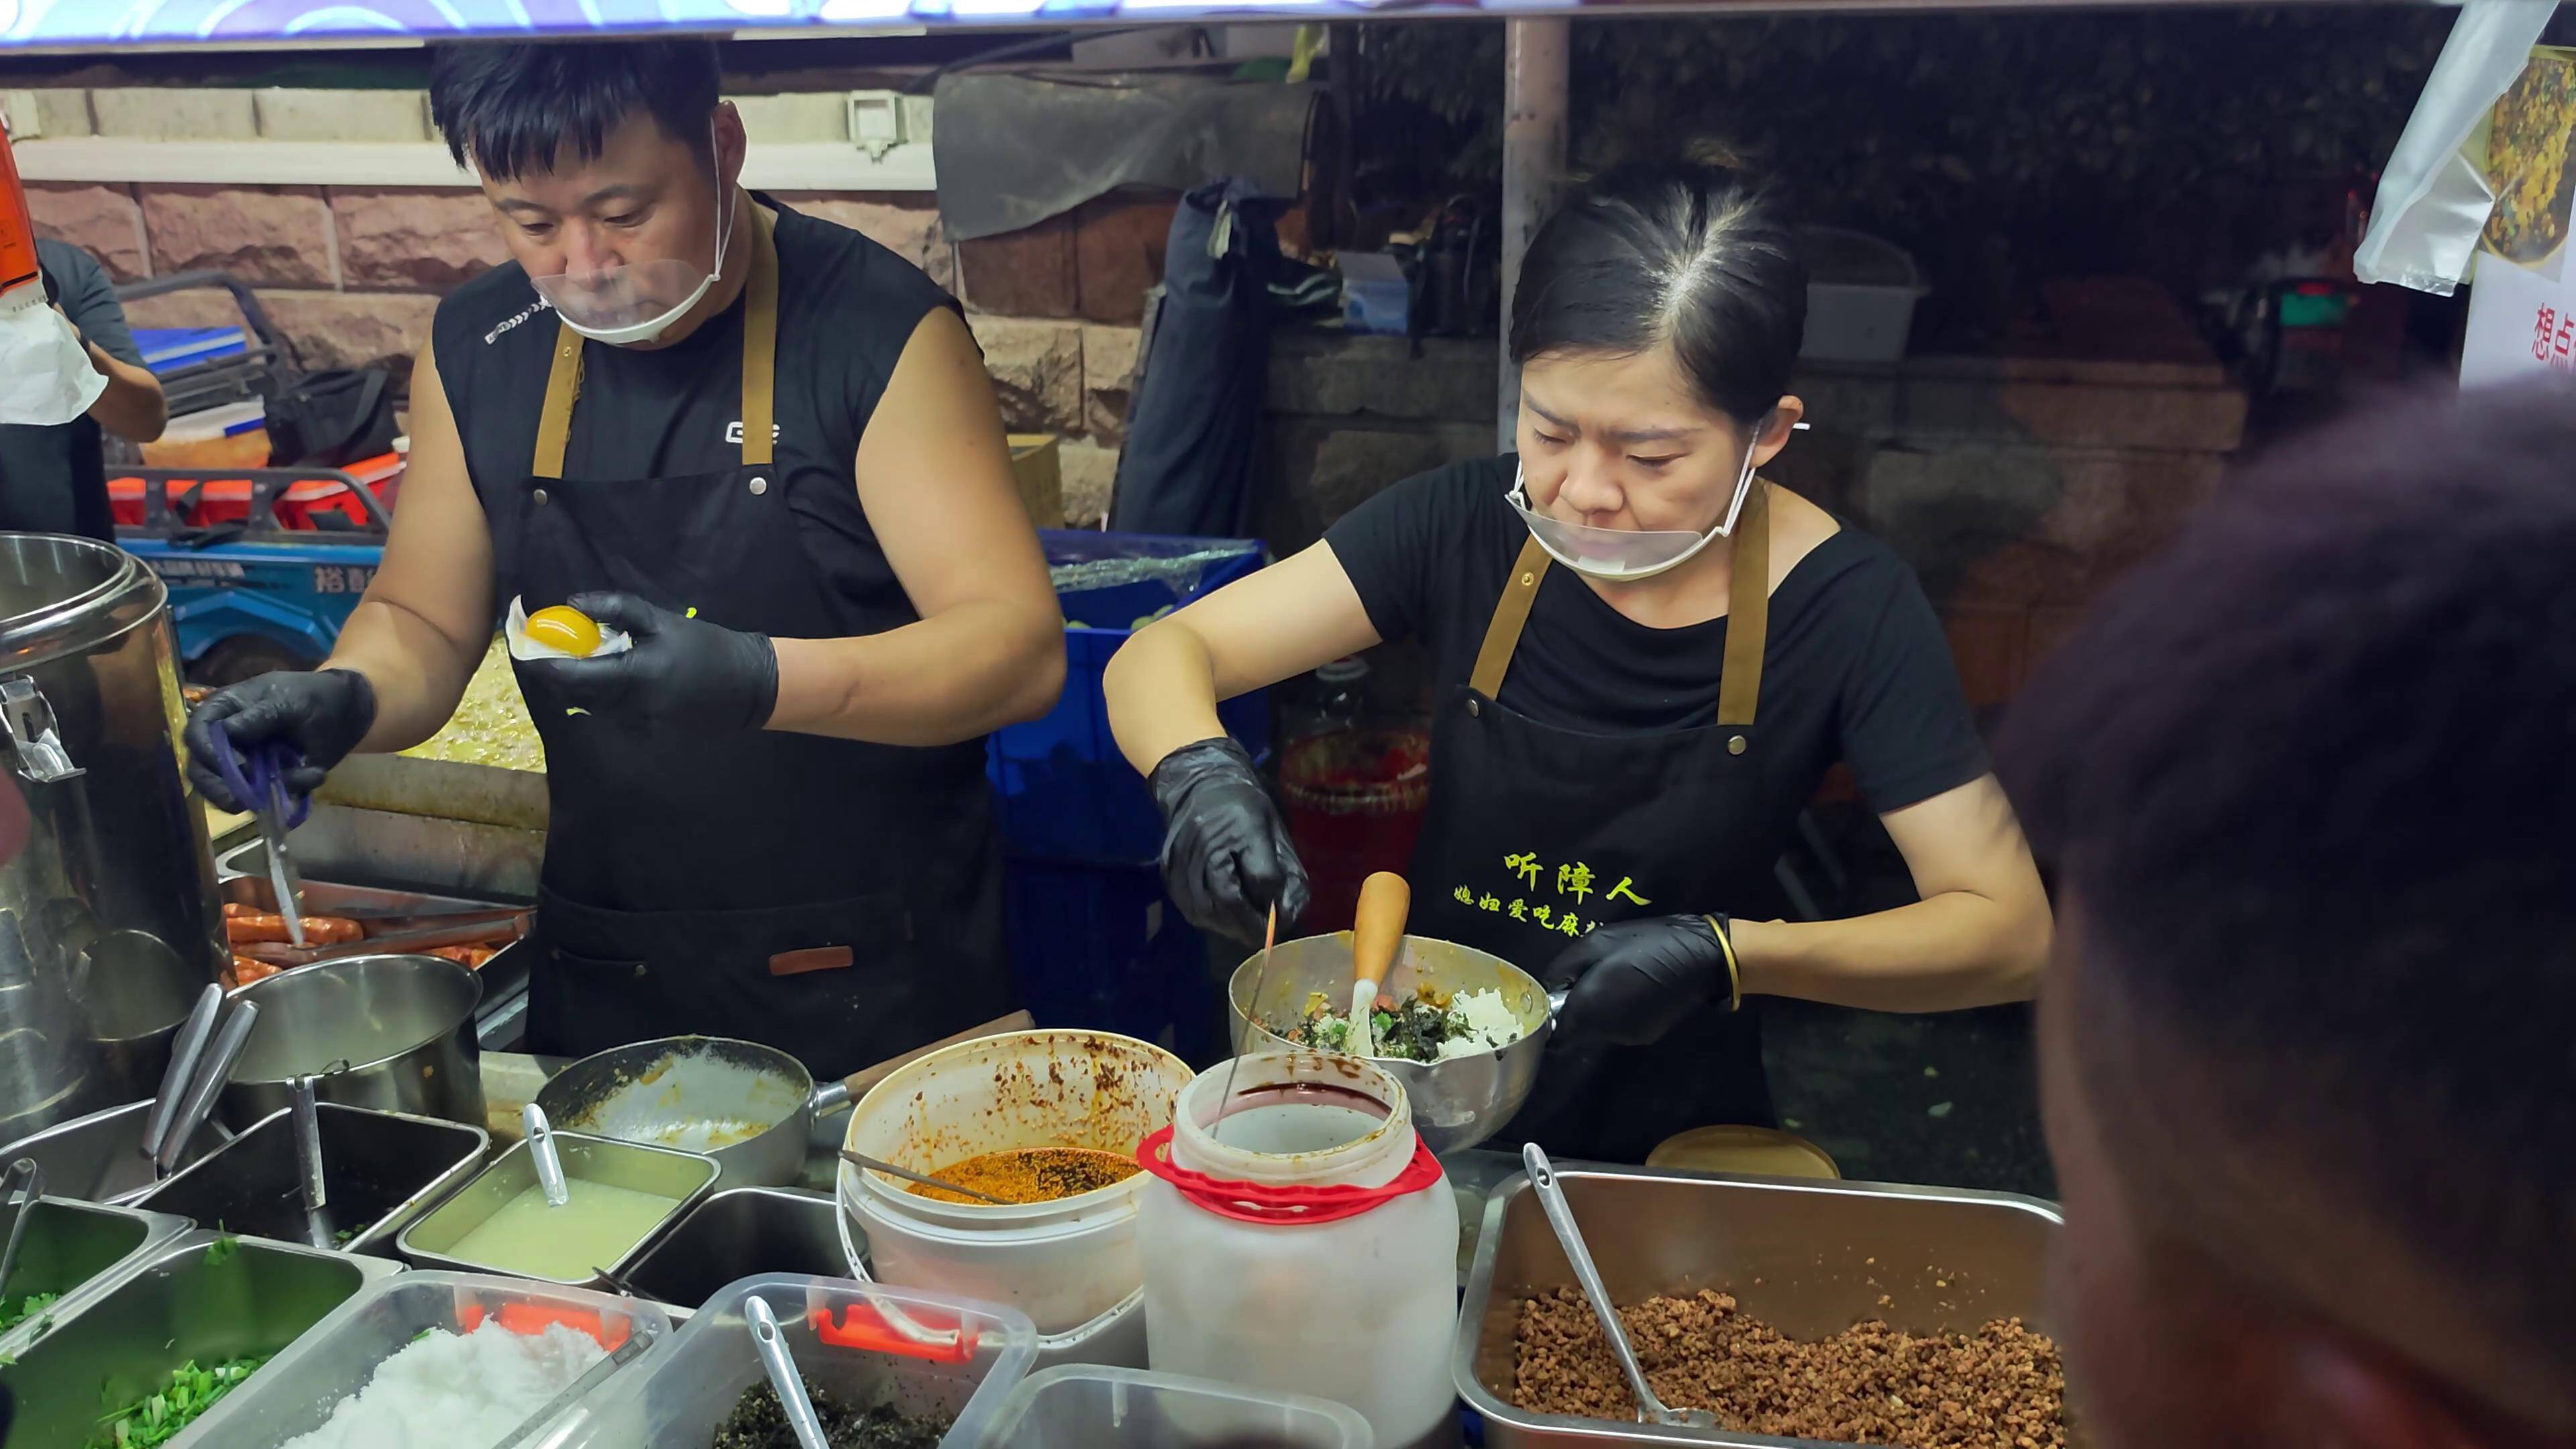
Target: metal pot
<point>750,1107</point>
<point>108,919</point>
<point>1457,1103</point>
<point>395,1033</point>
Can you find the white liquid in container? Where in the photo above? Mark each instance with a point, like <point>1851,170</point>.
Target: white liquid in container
<point>597,1225</point>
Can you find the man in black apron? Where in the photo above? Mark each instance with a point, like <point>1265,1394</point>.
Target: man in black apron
<point>782,478</point>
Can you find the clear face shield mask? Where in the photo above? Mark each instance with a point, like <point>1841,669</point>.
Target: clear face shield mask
<point>637,301</point>
<point>1627,553</point>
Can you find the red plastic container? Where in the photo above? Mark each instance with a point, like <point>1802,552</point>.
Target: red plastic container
<point>216,500</point>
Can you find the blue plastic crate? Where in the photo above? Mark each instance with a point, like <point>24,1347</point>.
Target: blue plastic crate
<point>1099,946</point>
<point>1066,794</point>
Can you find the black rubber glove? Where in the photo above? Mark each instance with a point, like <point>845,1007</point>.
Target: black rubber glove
<point>682,671</point>
<point>323,715</point>
<point>1630,983</point>
<point>1226,855</point>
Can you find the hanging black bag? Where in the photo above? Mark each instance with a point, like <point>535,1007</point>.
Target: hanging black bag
<point>332,419</point>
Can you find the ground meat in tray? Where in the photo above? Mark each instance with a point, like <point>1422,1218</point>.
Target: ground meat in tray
<point>2001,1386</point>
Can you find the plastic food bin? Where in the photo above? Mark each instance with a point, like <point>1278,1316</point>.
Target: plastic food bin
<point>1860,297</point>
<point>1079,1407</point>
<point>296,1392</point>
<point>920,1352</point>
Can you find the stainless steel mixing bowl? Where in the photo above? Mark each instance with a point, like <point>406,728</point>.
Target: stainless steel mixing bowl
<point>1456,1103</point>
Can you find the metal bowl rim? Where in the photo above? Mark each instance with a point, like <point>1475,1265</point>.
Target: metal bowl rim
<point>241,993</point>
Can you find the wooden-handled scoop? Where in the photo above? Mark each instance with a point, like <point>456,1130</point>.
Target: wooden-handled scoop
<point>1377,933</point>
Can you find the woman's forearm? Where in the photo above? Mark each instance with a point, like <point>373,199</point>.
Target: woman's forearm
<point>961,673</point>
<point>1953,950</point>
<point>1162,693</point>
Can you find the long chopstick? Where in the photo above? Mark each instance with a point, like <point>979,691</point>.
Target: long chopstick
<point>1269,939</point>
<point>872,1164</point>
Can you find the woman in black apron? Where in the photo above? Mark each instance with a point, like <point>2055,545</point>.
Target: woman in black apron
<point>769,818</point>
<point>1646,657</point>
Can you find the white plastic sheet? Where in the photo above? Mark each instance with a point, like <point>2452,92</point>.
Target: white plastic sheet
<point>45,374</point>
<point>2432,201</point>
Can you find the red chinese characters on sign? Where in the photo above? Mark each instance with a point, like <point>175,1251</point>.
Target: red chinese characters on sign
<point>2553,339</point>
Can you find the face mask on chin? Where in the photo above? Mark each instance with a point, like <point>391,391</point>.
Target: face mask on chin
<point>1624,554</point>
<point>637,302</point>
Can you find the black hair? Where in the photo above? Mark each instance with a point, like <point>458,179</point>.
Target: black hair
<point>506,108</point>
<point>2308,781</point>
<point>1702,257</point>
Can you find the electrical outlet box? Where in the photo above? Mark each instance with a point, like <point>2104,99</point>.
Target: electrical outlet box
<point>876,121</point>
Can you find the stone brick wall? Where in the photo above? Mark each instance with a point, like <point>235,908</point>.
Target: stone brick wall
<point>2018,488</point>
<point>352,275</point>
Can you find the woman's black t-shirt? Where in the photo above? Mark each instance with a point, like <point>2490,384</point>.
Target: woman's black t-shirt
<point>1856,667</point>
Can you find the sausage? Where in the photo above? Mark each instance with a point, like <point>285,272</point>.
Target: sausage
<point>469,957</point>
<point>247,969</point>
<point>254,926</point>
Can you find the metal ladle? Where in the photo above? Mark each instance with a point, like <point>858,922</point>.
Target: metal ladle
<point>541,1151</point>
<point>19,1192</point>
<point>784,1380</point>
<point>1551,1198</point>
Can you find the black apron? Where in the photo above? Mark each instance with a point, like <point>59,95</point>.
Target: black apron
<point>839,900</point>
<point>1537,834</point>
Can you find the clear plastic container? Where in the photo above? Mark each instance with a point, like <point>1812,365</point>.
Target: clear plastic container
<point>1081,1407</point>
<point>920,1352</point>
<point>296,1392</point>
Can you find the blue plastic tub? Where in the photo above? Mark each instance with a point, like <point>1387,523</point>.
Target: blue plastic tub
<point>1100,946</point>
<point>1065,793</point>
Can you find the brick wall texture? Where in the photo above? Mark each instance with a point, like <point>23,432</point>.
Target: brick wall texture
<point>353,274</point>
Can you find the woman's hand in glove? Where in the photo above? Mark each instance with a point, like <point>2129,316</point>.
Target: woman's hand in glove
<point>1226,855</point>
<point>682,671</point>
<point>1629,983</point>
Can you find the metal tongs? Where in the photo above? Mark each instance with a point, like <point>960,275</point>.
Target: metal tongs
<point>1650,1410</point>
<point>784,1380</point>
<point>308,1165</point>
<point>19,1192</point>
<point>257,778</point>
<point>201,1064</point>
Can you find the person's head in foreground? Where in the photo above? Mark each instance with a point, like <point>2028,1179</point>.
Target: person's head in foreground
<point>2309,1047</point>
<point>612,169</point>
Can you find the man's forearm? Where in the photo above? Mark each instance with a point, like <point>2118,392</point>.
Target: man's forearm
<point>417,672</point>
<point>959,674</point>
<point>132,407</point>
<point>1954,950</point>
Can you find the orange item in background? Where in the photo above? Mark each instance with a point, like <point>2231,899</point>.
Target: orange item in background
<point>17,229</point>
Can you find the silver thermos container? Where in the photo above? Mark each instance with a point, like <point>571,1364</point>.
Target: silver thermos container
<point>109,922</point>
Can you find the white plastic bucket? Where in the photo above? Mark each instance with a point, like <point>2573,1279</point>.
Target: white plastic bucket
<point>1064,1263</point>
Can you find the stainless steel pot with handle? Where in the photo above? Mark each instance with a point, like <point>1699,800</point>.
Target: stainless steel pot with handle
<point>748,1106</point>
<point>395,1033</point>
<point>108,917</point>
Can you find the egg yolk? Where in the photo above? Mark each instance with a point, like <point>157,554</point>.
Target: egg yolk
<point>566,628</point>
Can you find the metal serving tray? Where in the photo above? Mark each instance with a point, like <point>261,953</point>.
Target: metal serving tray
<point>99,1158</point>
<point>77,1249</point>
<point>684,1177</point>
<point>1810,1258</point>
<point>381,1171</point>
<point>741,1233</point>
<point>177,1305</point>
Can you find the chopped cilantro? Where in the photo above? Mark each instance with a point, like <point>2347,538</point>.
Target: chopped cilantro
<point>160,1416</point>
<point>28,1307</point>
